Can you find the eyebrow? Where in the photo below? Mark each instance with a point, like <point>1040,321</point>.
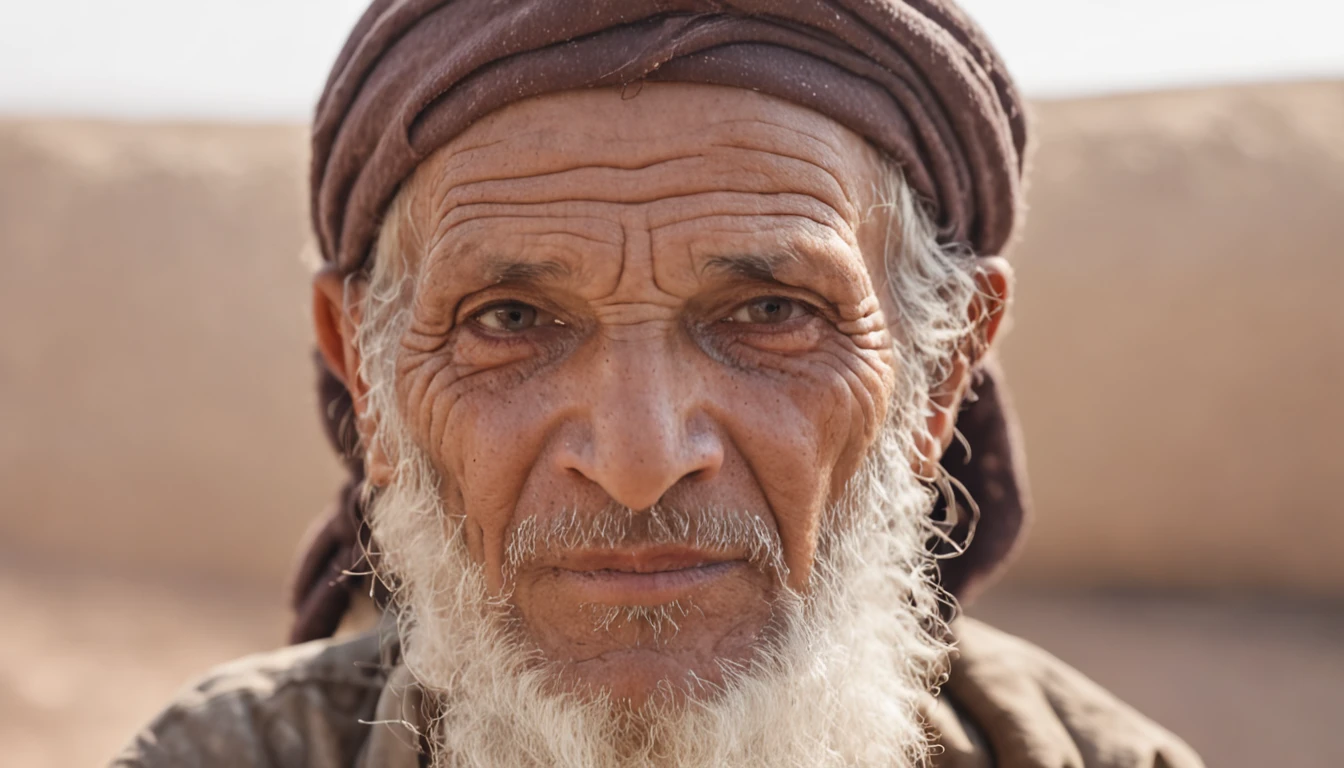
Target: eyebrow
<point>503,270</point>
<point>752,266</point>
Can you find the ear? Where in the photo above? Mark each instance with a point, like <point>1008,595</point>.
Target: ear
<point>338,303</point>
<point>993,283</point>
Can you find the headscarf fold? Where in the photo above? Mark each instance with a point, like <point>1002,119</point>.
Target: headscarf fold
<point>915,77</point>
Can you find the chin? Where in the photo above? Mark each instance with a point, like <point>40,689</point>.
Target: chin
<point>637,646</point>
<point>638,655</point>
<point>633,679</point>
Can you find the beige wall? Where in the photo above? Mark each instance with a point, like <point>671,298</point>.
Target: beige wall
<point>1176,353</point>
<point>156,378</point>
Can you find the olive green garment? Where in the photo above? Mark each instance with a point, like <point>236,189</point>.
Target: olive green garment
<point>347,704</point>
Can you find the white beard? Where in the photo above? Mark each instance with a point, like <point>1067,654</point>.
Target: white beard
<point>839,685</point>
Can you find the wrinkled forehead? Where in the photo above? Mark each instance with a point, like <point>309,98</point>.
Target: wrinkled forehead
<point>654,146</point>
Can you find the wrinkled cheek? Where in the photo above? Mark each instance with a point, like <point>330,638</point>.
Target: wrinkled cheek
<point>489,439</point>
<point>869,384</point>
<point>426,398</point>
<point>804,433</point>
<point>425,395</point>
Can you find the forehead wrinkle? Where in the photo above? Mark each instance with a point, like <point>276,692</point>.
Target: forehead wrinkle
<point>459,171</point>
<point>840,187</point>
<point>457,154</point>
<point>659,148</point>
<point>496,185</point>
<point>626,191</point>
<point>534,131</point>
<point>842,157</point>
<point>482,214</point>
<point>784,213</point>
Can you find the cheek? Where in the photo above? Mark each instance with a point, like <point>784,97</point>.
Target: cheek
<point>803,426</point>
<point>483,432</point>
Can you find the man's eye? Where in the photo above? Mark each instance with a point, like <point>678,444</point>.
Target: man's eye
<point>767,310</point>
<point>514,317</point>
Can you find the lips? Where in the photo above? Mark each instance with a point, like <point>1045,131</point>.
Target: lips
<point>647,576</point>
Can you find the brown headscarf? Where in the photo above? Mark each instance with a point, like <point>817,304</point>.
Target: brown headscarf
<point>915,77</point>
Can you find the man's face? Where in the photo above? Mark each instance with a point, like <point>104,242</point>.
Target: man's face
<point>645,354</point>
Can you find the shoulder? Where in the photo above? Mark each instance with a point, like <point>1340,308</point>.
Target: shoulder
<point>300,705</point>
<point>1034,709</point>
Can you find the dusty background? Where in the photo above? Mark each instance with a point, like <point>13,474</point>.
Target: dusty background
<point>1176,357</point>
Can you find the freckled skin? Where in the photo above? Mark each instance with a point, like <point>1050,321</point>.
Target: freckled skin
<point>652,245</point>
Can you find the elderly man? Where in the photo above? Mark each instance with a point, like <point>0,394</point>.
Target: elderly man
<point>645,327</point>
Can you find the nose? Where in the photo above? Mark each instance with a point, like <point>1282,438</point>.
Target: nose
<point>646,432</point>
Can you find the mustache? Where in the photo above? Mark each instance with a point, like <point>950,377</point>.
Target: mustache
<point>709,528</point>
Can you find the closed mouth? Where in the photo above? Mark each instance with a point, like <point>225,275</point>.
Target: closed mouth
<point>650,576</point>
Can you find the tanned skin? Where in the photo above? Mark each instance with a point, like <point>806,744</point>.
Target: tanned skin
<point>669,299</point>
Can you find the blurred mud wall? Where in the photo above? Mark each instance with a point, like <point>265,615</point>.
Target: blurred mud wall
<point>1176,353</point>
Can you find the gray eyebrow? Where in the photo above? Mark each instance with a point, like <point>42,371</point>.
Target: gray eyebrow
<point>750,265</point>
<point>501,270</point>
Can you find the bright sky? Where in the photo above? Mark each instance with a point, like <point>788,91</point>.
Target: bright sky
<point>267,59</point>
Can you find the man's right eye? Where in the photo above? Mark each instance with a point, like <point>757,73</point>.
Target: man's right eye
<point>514,317</point>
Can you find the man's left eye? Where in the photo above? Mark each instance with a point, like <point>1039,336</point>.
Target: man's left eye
<point>767,310</point>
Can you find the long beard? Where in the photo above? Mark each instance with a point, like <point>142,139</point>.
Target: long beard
<point>837,683</point>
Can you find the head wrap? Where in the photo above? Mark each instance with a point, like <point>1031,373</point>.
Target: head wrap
<point>915,77</point>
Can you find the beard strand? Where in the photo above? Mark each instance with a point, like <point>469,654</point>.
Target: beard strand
<point>837,681</point>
